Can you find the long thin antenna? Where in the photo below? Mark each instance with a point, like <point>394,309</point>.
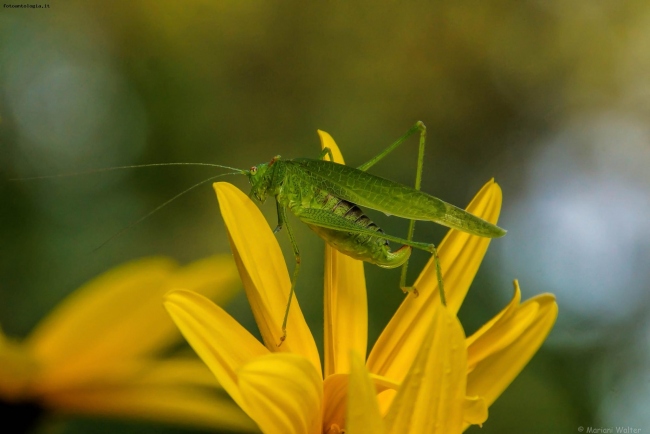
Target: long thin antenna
<point>137,166</point>
<point>159,207</point>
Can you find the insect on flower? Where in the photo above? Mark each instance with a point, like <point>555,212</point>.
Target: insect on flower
<point>326,196</point>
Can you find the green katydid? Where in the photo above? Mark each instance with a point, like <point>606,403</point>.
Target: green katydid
<point>326,196</point>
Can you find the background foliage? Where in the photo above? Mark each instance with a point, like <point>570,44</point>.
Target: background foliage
<point>549,97</point>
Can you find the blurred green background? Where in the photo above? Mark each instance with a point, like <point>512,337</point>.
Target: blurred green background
<point>550,97</point>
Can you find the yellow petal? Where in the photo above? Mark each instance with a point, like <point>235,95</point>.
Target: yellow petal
<point>177,405</point>
<point>215,277</point>
<point>346,310</point>
<point>363,414</point>
<point>171,371</point>
<point>346,304</point>
<point>326,141</point>
<point>174,390</point>
<point>99,306</point>
<point>223,344</point>
<point>432,397</point>
<point>475,411</point>
<point>494,371</point>
<point>335,392</point>
<point>119,315</point>
<point>500,331</point>
<point>17,368</point>
<point>501,317</point>
<point>460,256</point>
<point>385,400</point>
<point>336,397</point>
<point>264,274</point>
<point>460,253</point>
<point>283,393</point>
<point>180,371</point>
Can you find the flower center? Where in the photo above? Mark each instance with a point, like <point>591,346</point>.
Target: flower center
<point>334,429</point>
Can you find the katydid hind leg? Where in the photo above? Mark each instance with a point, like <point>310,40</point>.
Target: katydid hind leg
<point>411,229</point>
<point>282,217</point>
<point>419,126</point>
<point>330,220</point>
<point>413,289</point>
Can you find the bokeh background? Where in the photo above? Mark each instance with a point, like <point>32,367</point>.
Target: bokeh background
<point>550,97</point>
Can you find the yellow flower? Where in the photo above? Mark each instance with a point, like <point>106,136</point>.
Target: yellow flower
<point>98,352</point>
<point>424,375</point>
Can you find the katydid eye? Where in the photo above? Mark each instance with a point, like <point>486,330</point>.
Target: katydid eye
<point>253,170</point>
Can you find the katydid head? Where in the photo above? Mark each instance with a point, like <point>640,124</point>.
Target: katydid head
<point>260,177</point>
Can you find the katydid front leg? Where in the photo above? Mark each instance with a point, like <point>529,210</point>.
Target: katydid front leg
<point>281,217</point>
<point>282,221</point>
<point>324,152</point>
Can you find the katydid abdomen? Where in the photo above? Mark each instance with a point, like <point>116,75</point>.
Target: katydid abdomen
<point>357,245</point>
